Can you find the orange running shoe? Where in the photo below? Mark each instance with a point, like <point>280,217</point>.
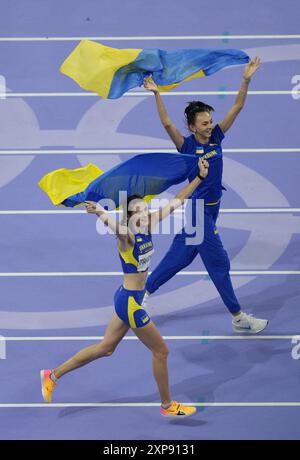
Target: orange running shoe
<point>47,385</point>
<point>178,410</point>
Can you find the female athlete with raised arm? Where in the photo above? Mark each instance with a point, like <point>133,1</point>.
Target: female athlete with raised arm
<point>134,240</point>
<point>205,142</point>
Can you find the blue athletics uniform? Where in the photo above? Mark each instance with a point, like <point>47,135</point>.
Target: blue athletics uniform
<point>128,303</point>
<point>211,250</point>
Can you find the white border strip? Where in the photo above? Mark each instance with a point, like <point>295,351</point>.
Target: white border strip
<point>151,38</point>
<point>222,211</point>
<point>133,151</point>
<point>184,273</point>
<point>257,210</point>
<point>120,405</point>
<point>149,94</point>
<point>169,337</point>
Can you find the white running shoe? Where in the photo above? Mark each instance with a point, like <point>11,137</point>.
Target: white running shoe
<point>249,324</point>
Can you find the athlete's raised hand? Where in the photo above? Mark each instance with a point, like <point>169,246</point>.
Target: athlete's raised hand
<point>203,167</point>
<point>252,67</point>
<point>91,207</point>
<point>150,85</point>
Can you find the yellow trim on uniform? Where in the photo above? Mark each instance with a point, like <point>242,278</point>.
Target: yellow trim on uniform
<point>210,154</point>
<point>199,151</point>
<point>128,256</point>
<point>216,231</point>
<point>212,204</point>
<point>133,306</point>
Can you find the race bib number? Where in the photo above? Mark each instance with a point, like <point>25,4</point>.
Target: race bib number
<point>144,261</point>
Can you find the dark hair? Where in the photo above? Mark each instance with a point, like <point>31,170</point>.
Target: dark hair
<point>133,197</point>
<point>125,204</point>
<point>195,107</point>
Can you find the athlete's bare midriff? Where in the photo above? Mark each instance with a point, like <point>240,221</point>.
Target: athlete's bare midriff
<point>135,281</point>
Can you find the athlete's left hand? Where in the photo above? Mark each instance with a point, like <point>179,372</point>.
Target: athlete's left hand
<point>203,166</point>
<point>150,84</point>
<point>252,67</point>
<point>91,207</point>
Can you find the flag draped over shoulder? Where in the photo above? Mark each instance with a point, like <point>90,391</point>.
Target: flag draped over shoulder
<point>110,72</point>
<point>147,174</point>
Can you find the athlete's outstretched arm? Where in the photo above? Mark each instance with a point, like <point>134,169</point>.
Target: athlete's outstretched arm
<point>182,195</point>
<point>171,129</point>
<point>249,71</point>
<point>120,230</point>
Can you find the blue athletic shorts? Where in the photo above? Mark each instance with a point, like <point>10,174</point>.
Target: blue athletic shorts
<point>128,306</point>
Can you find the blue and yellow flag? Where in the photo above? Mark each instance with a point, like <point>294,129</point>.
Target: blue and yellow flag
<point>110,72</point>
<point>148,174</point>
<point>62,183</point>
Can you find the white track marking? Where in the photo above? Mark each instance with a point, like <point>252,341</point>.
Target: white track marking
<point>166,337</point>
<point>133,151</point>
<point>120,405</point>
<point>148,94</point>
<point>184,273</point>
<point>178,211</point>
<point>258,210</point>
<point>151,38</point>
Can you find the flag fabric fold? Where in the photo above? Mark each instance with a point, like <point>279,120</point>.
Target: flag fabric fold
<point>110,72</point>
<point>146,174</point>
<point>62,183</point>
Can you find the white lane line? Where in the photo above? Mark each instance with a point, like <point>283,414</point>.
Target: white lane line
<point>184,273</point>
<point>133,151</point>
<point>197,404</point>
<point>40,211</point>
<point>178,211</point>
<point>225,36</point>
<point>148,94</point>
<point>258,210</point>
<point>166,337</point>
<point>247,272</point>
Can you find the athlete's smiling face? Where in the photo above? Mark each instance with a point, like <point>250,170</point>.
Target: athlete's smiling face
<point>138,214</point>
<point>203,125</point>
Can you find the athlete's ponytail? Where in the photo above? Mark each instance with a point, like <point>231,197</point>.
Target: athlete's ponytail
<point>195,107</point>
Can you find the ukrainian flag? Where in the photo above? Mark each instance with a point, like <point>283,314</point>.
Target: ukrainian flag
<point>147,174</point>
<point>62,183</point>
<point>110,72</point>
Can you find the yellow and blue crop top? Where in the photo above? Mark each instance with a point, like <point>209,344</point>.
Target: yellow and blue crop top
<point>137,258</point>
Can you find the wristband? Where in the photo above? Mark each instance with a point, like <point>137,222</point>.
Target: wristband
<point>200,177</point>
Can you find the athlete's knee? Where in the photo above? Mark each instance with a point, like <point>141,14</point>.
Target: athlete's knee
<point>226,261</point>
<point>154,281</point>
<point>108,353</point>
<point>162,352</point>
<point>217,262</point>
<point>159,277</point>
<point>105,349</point>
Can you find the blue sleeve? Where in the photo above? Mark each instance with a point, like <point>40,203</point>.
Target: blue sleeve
<point>188,146</point>
<point>217,135</point>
